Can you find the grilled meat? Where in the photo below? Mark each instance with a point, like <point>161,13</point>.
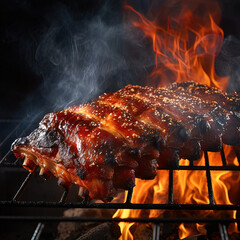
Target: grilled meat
<point>103,145</point>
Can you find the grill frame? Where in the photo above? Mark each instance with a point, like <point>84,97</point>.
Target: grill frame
<point>16,203</point>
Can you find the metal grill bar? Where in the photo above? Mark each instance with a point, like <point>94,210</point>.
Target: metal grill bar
<point>37,233</point>
<point>23,186</point>
<point>129,196</point>
<point>11,133</point>
<point>156,231</point>
<point>209,181</point>
<point>129,205</point>
<point>224,162</point>
<point>238,156</point>
<point>64,196</point>
<point>170,188</point>
<point>120,205</point>
<point>5,156</point>
<point>140,220</point>
<point>223,232</point>
<point>26,128</point>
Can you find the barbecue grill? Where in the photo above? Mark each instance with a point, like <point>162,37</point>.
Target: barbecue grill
<point>50,211</point>
<point>15,201</point>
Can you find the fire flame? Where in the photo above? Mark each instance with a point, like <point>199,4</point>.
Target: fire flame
<point>186,40</point>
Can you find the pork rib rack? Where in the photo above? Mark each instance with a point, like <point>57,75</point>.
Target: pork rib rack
<point>103,145</point>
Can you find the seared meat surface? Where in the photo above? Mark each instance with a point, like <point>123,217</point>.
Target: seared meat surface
<point>103,145</point>
<point>224,108</point>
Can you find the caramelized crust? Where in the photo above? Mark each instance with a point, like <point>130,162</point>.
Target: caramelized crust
<point>103,145</point>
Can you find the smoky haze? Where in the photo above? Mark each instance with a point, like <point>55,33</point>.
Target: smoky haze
<point>56,53</point>
<point>79,59</point>
<point>73,55</point>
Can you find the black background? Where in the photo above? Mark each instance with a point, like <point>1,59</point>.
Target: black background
<point>22,25</point>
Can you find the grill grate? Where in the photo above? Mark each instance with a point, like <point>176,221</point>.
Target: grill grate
<point>157,231</point>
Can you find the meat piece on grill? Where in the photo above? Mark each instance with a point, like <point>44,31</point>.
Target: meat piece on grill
<point>103,145</point>
<point>98,146</point>
<point>224,107</point>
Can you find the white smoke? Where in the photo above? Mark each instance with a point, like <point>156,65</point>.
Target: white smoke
<point>80,59</point>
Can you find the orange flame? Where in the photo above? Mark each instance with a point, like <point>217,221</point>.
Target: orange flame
<point>186,40</point>
<point>190,187</point>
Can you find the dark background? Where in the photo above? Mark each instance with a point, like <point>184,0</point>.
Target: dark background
<point>23,24</point>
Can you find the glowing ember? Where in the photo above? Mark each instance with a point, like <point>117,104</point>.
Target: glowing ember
<point>186,40</point>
